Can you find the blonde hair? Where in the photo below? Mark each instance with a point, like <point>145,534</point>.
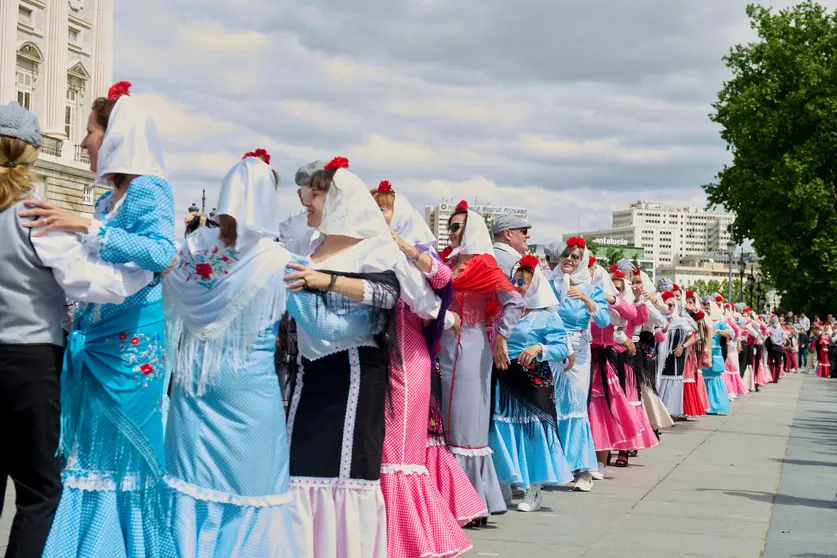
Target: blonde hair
<point>384,199</point>
<point>16,182</point>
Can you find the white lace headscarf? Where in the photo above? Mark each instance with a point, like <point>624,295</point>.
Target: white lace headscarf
<point>409,225</point>
<point>476,240</point>
<point>350,211</point>
<point>581,275</point>
<point>131,144</point>
<point>248,195</point>
<point>540,294</point>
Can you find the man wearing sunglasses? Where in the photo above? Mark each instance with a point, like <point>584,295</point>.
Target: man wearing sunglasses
<point>511,241</point>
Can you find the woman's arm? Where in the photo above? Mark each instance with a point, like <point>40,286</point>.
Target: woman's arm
<point>148,239</point>
<point>601,316</point>
<point>554,341</point>
<point>625,310</point>
<point>374,294</point>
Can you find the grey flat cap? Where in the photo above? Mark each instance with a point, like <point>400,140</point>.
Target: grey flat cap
<point>625,265</point>
<point>305,172</point>
<point>665,284</point>
<point>17,122</point>
<point>508,223</point>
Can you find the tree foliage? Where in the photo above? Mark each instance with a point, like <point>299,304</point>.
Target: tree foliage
<point>778,115</point>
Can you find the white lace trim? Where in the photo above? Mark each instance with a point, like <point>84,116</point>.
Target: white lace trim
<point>319,482</point>
<point>300,376</point>
<point>573,415</point>
<point>209,495</point>
<point>470,452</point>
<point>104,482</point>
<point>515,420</point>
<point>389,469</point>
<point>351,414</point>
<point>433,442</point>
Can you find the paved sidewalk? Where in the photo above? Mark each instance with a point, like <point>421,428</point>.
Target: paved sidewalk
<point>707,490</point>
<point>760,480</point>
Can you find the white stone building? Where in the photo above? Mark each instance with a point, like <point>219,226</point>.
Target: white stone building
<point>437,216</point>
<point>668,234</point>
<point>56,57</point>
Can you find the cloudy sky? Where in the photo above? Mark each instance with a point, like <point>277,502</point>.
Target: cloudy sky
<point>567,107</point>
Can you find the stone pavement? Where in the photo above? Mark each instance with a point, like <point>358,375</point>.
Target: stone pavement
<point>759,482</point>
<point>710,489</point>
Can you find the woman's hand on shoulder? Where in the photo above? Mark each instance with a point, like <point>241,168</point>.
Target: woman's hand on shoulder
<point>307,278</point>
<point>51,218</point>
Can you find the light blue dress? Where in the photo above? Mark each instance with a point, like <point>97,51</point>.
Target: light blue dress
<point>113,387</point>
<point>572,387</point>
<point>524,439</point>
<point>714,376</point>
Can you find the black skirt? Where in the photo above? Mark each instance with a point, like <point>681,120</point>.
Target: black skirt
<point>336,415</point>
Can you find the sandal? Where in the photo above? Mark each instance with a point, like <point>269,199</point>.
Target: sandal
<point>475,524</point>
<point>633,453</point>
<point>622,460</point>
<point>609,457</point>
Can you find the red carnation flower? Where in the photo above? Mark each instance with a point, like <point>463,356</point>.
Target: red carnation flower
<point>618,275</point>
<point>337,163</point>
<point>146,369</point>
<point>719,298</point>
<point>613,268</point>
<point>529,262</point>
<point>462,207</point>
<point>259,154</point>
<point>203,270</point>
<point>668,295</point>
<point>134,340</point>
<point>699,315</point>
<point>119,89</point>
<point>675,287</point>
<point>577,241</point>
<point>593,261</point>
<point>690,294</point>
<point>384,187</point>
<point>123,336</point>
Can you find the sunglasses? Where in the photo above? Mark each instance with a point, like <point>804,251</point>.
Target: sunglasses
<point>454,227</point>
<point>574,257</point>
<point>518,282</point>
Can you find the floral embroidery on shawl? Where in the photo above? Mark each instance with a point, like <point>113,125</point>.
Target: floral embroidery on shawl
<point>205,267</point>
<point>145,355</point>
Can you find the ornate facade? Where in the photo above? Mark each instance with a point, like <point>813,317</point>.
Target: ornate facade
<point>56,57</point>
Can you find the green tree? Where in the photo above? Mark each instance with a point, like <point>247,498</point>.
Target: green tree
<point>778,115</point>
<point>699,287</point>
<point>613,255</point>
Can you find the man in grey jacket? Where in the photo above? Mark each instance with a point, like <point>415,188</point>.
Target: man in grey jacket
<point>511,241</point>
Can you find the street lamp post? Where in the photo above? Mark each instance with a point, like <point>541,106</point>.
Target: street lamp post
<point>751,281</point>
<point>731,250</point>
<point>742,268</point>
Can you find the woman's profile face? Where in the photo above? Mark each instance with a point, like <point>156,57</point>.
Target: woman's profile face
<point>313,201</point>
<point>387,213</point>
<point>93,141</point>
<point>570,259</point>
<point>456,227</point>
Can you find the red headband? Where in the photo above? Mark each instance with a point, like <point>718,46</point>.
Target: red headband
<point>384,187</point>
<point>119,89</point>
<point>260,154</point>
<point>337,163</point>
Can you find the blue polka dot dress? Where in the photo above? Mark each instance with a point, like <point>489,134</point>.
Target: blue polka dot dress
<point>113,384</point>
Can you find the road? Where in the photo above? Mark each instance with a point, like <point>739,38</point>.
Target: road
<point>760,482</point>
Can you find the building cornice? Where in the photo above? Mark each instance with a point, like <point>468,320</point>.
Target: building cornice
<point>35,3</point>
<point>82,174</point>
<point>77,21</point>
<point>29,30</point>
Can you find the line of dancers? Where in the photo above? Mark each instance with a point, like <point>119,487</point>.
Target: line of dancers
<point>418,392</point>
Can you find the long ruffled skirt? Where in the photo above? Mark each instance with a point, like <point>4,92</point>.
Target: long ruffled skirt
<point>613,423</point>
<point>647,439</point>
<point>452,483</point>
<point>692,404</point>
<point>571,406</point>
<point>717,390</point>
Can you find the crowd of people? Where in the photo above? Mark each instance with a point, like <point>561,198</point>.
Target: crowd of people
<point>331,385</point>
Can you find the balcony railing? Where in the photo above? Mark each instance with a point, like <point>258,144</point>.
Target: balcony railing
<point>81,155</point>
<point>52,146</point>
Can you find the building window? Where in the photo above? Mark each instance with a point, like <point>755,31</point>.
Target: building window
<point>73,36</point>
<point>88,195</point>
<point>24,15</point>
<point>23,82</point>
<point>70,123</point>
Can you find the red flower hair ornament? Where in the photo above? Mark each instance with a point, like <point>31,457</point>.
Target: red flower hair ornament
<point>461,207</point>
<point>337,163</point>
<point>384,187</point>
<point>668,295</point>
<point>619,275</point>
<point>577,241</point>
<point>593,261</point>
<point>529,262</point>
<point>259,154</point>
<point>690,294</point>
<point>719,299</point>
<point>119,89</point>
<point>675,287</point>
<point>699,315</point>
<point>613,268</point>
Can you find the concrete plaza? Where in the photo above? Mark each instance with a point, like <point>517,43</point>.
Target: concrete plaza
<point>760,482</point>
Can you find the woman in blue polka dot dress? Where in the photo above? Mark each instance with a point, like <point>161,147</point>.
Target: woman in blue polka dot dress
<point>115,370</point>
